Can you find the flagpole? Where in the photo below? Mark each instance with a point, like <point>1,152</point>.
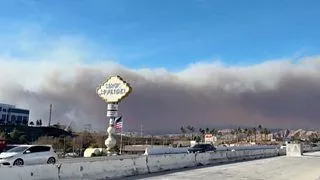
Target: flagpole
<point>121,137</point>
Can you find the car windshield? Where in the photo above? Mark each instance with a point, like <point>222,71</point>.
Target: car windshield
<point>9,147</point>
<point>198,146</point>
<point>18,149</point>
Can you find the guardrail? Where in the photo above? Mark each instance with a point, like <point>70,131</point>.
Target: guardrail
<point>106,168</point>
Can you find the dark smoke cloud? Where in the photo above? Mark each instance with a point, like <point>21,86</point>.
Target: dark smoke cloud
<point>275,94</point>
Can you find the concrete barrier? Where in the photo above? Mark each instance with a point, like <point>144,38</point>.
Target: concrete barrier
<point>98,169</point>
<point>36,172</point>
<point>310,148</point>
<point>211,158</point>
<point>164,150</point>
<point>294,149</point>
<point>140,165</point>
<point>158,163</point>
<point>235,156</point>
<point>252,147</point>
<point>116,168</point>
<point>158,150</point>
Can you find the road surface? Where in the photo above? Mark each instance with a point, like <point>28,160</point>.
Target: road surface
<point>306,167</point>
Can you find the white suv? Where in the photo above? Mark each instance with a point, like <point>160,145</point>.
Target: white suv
<point>29,155</point>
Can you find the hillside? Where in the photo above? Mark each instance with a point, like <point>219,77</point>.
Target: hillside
<point>299,134</point>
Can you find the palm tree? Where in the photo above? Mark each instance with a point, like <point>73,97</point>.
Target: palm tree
<point>250,132</point>
<point>240,131</point>
<point>213,131</point>
<point>236,132</point>
<point>260,130</point>
<point>265,132</point>
<point>182,130</point>
<point>254,130</point>
<point>202,131</point>
<point>245,131</point>
<point>207,130</point>
<point>233,132</point>
<point>191,129</point>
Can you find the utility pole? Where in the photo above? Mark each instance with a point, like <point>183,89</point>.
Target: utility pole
<point>141,130</point>
<point>50,113</point>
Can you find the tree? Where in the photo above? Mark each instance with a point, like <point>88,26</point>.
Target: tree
<point>265,132</point>
<point>182,130</point>
<point>23,139</point>
<point>314,139</point>
<point>207,130</point>
<point>250,132</point>
<point>2,135</point>
<point>202,131</point>
<point>254,130</point>
<point>239,130</point>
<point>260,130</point>
<point>15,136</point>
<point>197,138</point>
<point>191,129</point>
<point>213,131</point>
<point>236,132</point>
<point>84,140</point>
<point>239,133</point>
<point>31,123</point>
<point>245,131</point>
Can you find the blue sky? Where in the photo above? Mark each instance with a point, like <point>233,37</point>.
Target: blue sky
<point>169,33</point>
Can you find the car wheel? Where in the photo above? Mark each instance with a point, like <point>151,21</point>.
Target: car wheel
<point>51,160</point>
<point>18,162</point>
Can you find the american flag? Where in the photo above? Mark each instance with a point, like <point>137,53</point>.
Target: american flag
<point>118,123</point>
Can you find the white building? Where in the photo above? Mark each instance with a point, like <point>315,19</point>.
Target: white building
<point>9,114</point>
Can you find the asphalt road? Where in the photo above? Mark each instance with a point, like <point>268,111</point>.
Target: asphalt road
<point>306,167</point>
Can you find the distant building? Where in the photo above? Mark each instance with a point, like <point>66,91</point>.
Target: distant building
<point>9,114</point>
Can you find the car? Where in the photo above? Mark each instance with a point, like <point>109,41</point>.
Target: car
<point>9,146</point>
<point>71,154</point>
<point>201,148</point>
<point>28,155</point>
<point>283,146</point>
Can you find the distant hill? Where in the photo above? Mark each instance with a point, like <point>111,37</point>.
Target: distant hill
<point>34,132</point>
<point>299,133</point>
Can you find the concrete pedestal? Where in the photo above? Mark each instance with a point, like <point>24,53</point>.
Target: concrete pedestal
<point>110,142</point>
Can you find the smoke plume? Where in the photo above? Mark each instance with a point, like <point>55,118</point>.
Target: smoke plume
<point>282,93</point>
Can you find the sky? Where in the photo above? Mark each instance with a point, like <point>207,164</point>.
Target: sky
<point>190,62</point>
